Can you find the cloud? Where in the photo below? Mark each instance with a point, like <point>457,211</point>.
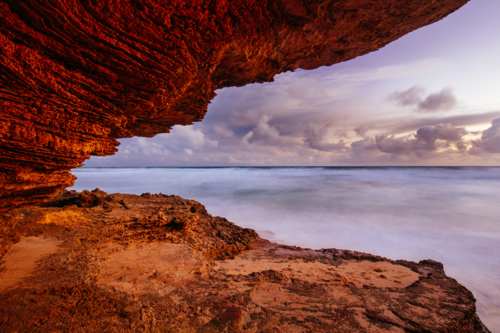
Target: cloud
<point>317,138</point>
<point>365,144</point>
<point>440,101</point>
<point>265,134</point>
<point>317,144</point>
<point>188,135</point>
<point>223,132</point>
<point>412,96</point>
<point>146,147</point>
<point>361,130</point>
<point>247,137</point>
<point>490,139</point>
<point>391,145</point>
<point>444,138</point>
<point>426,137</point>
<point>403,125</point>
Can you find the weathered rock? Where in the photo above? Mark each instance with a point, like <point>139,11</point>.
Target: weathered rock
<point>75,75</point>
<point>158,263</point>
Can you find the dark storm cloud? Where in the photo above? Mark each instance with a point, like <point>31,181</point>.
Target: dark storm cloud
<point>440,101</point>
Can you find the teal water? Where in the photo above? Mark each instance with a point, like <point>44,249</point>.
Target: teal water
<point>451,215</point>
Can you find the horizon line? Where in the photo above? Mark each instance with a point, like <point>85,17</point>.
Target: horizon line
<point>288,166</point>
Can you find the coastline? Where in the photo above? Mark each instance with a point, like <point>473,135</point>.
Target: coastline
<point>156,262</point>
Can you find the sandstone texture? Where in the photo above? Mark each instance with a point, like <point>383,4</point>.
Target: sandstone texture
<point>75,75</point>
<point>93,262</point>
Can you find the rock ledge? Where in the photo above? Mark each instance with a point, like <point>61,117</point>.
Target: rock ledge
<point>95,262</point>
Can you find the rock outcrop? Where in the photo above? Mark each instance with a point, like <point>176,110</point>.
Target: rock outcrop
<point>75,75</point>
<point>93,262</point>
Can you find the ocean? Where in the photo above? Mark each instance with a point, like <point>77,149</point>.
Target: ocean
<point>448,214</point>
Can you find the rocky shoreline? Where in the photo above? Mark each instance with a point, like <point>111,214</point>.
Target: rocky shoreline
<point>93,262</point>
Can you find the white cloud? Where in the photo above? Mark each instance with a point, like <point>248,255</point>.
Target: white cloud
<point>190,136</point>
<point>265,134</point>
<point>224,132</point>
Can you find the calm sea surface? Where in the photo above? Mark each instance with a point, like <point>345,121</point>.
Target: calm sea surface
<point>451,215</point>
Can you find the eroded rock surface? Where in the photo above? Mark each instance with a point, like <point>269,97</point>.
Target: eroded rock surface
<point>93,262</point>
<point>75,75</point>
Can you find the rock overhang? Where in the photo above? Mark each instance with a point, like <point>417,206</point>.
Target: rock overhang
<point>76,76</point>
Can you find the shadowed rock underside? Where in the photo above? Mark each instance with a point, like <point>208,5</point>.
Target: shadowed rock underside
<point>93,262</point>
<point>75,75</point>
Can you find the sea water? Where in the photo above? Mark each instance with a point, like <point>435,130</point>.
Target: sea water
<point>451,215</point>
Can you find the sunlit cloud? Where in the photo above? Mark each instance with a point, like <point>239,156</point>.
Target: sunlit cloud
<point>490,139</point>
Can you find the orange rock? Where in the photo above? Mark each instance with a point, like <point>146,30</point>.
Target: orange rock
<point>130,269</point>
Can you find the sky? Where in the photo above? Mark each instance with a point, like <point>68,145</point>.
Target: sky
<point>431,98</point>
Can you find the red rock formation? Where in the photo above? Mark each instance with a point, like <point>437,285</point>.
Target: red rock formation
<point>75,75</point>
<point>92,262</point>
